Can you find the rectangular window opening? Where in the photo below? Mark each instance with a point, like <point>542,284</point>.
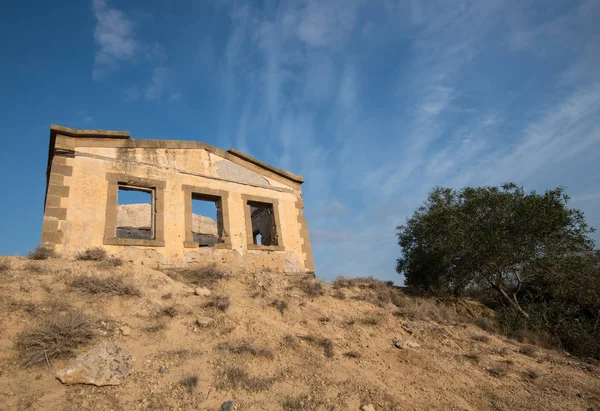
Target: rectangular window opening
<point>207,221</point>
<point>135,213</point>
<point>264,231</point>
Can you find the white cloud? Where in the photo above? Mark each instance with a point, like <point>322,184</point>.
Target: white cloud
<point>114,37</point>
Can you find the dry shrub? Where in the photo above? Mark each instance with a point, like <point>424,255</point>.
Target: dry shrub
<point>379,293</point>
<point>325,343</point>
<point>168,311</point>
<point>167,296</point>
<point>480,338</point>
<point>5,264</point>
<point>280,305</point>
<point>104,285</point>
<point>189,383</point>
<point>289,340</point>
<point>500,370</point>
<point>110,262</point>
<point>302,402</point>
<point>33,267</point>
<point>156,327</point>
<point>204,276</point>
<point>244,347</point>
<point>41,253</point>
<point>369,320</point>
<point>339,294</point>
<point>57,336</point>
<point>352,354</point>
<point>473,357</point>
<point>485,324</point>
<point>238,378</point>
<point>92,254</point>
<point>220,302</point>
<point>425,308</point>
<point>530,374</point>
<point>528,350</point>
<point>311,287</point>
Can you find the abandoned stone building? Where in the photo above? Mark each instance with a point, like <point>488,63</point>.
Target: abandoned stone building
<point>166,202</point>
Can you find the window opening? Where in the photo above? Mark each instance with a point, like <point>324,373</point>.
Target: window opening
<point>207,224</point>
<point>264,231</point>
<point>135,213</point>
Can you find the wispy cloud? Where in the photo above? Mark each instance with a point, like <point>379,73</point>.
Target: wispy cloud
<point>114,37</point>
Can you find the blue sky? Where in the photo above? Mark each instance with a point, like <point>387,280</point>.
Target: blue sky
<point>373,102</point>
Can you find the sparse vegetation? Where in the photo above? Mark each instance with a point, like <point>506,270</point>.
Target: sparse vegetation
<point>92,254</point>
<point>311,288</point>
<point>339,294</point>
<point>302,402</point>
<point>500,370</point>
<point>528,350</point>
<point>202,276</point>
<point>238,378</point>
<point>57,336</point>
<point>530,374</point>
<point>369,320</point>
<point>110,262</point>
<point>5,264</point>
<point>473,357</point>
<point>352,354</point>
<point>168,311</point>
<point>220,302</point>
<point>379,293</point>
<point>156,327</point>
<point>281,305</point>
<point>480,338</point>
<point>325,343</point>
<point>167,296</point>
<point>244,347</point>
<point>189,383</point>
<point>41,253</point>
<point>110,285</point>
<point>289,340</point>
<point>33,267</point>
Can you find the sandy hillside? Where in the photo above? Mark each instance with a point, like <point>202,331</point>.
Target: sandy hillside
<point>277,342</point>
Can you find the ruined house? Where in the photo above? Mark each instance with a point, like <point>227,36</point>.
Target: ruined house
<point>147,201</point>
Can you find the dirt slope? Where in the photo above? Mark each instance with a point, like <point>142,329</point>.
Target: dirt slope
<point>274,347</point>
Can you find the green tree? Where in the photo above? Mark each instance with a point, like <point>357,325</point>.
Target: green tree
<point>501,239</point>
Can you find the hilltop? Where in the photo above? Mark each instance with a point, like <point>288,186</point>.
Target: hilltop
<point>200,337</point>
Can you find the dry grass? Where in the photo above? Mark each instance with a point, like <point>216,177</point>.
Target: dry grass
<point>376,292</point>
<point>167,296</point>
<point>352,354</point>
<point>204,276</point>
<point>57,336</point>
<point>528,350</point>
<point>189,383</point>
<point>244,347</point>
<point>476,358</point>
<point>369,320</point>
<point>41,253</point>
<point>156,327</point>
<point>92,254</point>
<point>108,285</point>
<point>220,302</point>
<point>302,402</point>
<point>480,338</point>
<point>289,340</point>
<point>325,343</point>
<point>33,267</point>
<point>530,375</point>
<point>280,305</point>
<point>110,262</point>
<point>500,370</point>
<point>238,378</point>
<point>426,308</point>
<point>339,294</point>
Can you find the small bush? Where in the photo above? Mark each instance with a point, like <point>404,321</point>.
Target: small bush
<point>167,296</point>
<point>312,288</point>
<point>5,264</point>
<point>325,343</point>
<point>374,291</point>
<point>33,267</point>
<point>220,302</point>
<point>473,357</point>
<point>110,262</point>
<point>169,311</point>
<point>92,254</point>
<point>244,347</point>
<point>238,378</point>
<point>528,350</point>
<point>339,294</point>
<point>485,324</point>
<point>480,338</point>
<point>56,337</point>
<point>156,327</point>
<point>280,305</point>
<point>41,253</point>
<point>498,371</point>
<point>189,383</point>
<point>530,375</point>
<point>352,354</point>
<point>104,285</point>
<point>289,340</point>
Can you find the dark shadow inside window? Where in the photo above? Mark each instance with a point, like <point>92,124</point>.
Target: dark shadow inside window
<point>264,231</point>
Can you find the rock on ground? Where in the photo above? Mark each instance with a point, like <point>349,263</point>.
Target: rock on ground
<point>403,344</point>
<point>104,364</point>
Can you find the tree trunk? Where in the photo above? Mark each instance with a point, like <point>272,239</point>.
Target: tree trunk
<point>512,302</point>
